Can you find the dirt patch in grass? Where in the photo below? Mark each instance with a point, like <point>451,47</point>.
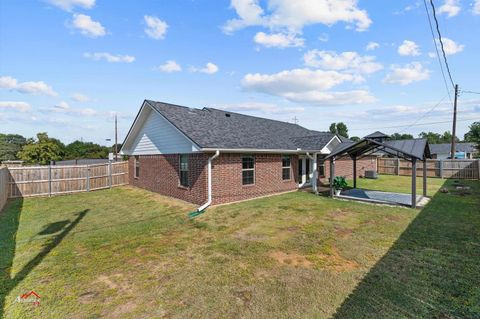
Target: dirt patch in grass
<point>122,309</point>
<point>339,214</point>
<point>291,259</point>
<point>116,282</point>
<point>342,232</point>
<point>248,236</point>
<point>87,297</point>
<point>336,262</point>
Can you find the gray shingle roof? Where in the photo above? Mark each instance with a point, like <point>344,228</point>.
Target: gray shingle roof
<point>213,128</point>
<point>445,148</point>
<point>377,134</point>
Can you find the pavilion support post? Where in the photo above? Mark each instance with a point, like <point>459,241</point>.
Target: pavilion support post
<point>332,175</point>
<point>354,172</point>
<point>414,182</point>
<point>424,177</point>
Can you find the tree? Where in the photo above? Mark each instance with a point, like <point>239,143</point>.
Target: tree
<point>80,149</point>
<point>398,136</point>
<point>473,135</point>
<point>355,138</point>
<point>436,138</point>
<point>339,128</point>
<point>10,145</point>
<point>42,151</point>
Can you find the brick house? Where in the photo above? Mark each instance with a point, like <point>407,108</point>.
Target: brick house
<point>210,156</point>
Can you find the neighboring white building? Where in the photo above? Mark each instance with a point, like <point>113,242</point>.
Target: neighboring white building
<point>462,150</point>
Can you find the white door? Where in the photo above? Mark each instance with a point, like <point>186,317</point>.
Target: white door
<point>305,173</point>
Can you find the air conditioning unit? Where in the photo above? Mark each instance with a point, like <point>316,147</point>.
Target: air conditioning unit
<point>371,174</point>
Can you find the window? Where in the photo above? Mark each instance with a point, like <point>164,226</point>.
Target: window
<point>184,170</point>
<point>286,167</point>
<point>321,168</point>
<point>137,166</point>
<point>248,170</point>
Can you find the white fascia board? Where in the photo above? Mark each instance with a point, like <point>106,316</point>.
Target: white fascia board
<point>325,149</point>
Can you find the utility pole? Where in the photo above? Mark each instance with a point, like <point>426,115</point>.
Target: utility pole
<point>116,138</point>
<point>454,128</point>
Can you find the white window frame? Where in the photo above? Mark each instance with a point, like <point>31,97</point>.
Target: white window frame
<point>248,169</point>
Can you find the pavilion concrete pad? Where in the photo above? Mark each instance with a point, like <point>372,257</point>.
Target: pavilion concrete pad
<point>378,197</point>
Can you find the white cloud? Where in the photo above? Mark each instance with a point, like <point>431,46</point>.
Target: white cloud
<point>87,26</point>
<point>279,40</point>
<point>78,97</point>
<point>294,15</point>
<point>409,48</point>
<point>68,5</point>
<point>14,105</point>
<point>476,7</point>
<point>307,86</point>
<point>40,87</point>
<point>64,107</point>
<point>408,8</point>
<point>259,107</point>
<point>323,37</point>
<point>372,46</point>
<point>156,28</point>
<point>349,61</point>
<point>450,7</point>
<point>61,107</point>
<point>209,68</point>
<point>109,57</point>
<point>410,73</point>
<point>169,67</point>
<point>451,47</point>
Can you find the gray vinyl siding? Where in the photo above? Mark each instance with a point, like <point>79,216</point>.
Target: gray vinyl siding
<point>158,136</point>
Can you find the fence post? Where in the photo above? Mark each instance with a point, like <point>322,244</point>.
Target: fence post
<point>441,168</point>
<point>50,180</point>
<point>478,167</point>
<point>398,166</point>
<point>110,174</point>
<point>88,178</point>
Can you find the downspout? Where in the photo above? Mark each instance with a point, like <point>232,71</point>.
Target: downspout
<point>314,171</point>
<point>209,181</point>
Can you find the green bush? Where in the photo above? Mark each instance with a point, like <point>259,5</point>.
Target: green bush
<point>339,183</point>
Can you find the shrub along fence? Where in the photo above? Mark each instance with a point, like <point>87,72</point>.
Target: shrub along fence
<point>460,169</point>
<point>53,180</point>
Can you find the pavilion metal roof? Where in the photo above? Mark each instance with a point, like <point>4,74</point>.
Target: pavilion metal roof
<point>408,149</point>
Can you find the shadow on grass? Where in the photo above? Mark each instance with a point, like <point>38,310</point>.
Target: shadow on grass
<point>432,270</point>
<point>9,223</point>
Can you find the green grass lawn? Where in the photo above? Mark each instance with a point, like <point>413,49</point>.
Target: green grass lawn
<point>399,184</point>
<point>129,253</point>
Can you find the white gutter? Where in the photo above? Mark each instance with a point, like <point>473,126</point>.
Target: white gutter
<point>314,170</point>
<point>209,181</point>
<point>256,150</point>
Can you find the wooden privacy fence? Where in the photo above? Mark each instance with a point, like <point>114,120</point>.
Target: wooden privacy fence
<point>461,169</point>
<point>52,180</point>
<point>3,186</point>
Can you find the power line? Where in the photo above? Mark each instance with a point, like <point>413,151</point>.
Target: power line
<point>441,43</point>
<point>425,114</point>
<point>436,49</point>
<point>470,92</point>
<point>420,124</point>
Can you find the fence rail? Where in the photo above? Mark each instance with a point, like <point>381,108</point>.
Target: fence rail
<point>460,169</point>
<point>54,180</point>
<point>3,186</point>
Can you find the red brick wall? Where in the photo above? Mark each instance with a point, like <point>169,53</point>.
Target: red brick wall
<point>160,174</point>
<point>227,177</point>
<point>344,167</point>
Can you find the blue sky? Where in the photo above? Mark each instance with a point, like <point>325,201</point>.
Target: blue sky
<point>67,65</point>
